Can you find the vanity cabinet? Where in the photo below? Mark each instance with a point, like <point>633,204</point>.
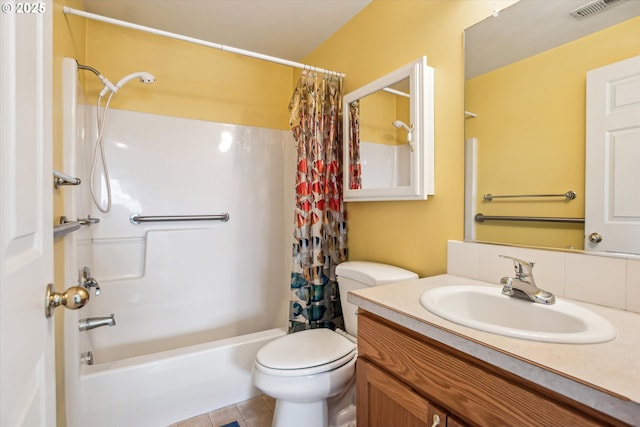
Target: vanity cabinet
<point>405,379</point>
<point>390,402</point>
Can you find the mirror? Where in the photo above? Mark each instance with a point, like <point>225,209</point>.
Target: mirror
<point>388,136</point>
<point>525,102</point>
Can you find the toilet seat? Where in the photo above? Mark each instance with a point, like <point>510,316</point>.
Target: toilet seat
<point>307,352</point>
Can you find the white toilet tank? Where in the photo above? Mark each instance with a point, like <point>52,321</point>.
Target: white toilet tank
<point>352,275</point>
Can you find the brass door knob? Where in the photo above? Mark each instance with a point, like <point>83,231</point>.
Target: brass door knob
<point>73,298</point>
<point>595,238</point>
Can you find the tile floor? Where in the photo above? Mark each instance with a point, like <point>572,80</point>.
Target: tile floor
<point>256,412</point>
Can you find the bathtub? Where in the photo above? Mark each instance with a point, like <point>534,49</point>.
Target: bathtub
<point>176,350</point>
<point>162,388</point>
<point>193,302</point>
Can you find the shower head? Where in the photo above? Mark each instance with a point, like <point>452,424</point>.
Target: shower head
<point>400,123</point>
<point>142,75</point>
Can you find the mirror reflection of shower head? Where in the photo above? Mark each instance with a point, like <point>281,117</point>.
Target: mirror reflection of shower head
<point>143,76</point>
<point>399,123</point>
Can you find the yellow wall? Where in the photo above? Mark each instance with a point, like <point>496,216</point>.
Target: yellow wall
<point>192,81</point>
<point>377,112</point>
<point>531,135</point>
<point>68,41</point>
<point>383,37</point>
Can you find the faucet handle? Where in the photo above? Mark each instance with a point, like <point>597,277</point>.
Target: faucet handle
<point>524,269</point>
<point>89,282</point>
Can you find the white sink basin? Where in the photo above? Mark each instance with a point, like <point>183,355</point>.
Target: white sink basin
<point>486,309</point>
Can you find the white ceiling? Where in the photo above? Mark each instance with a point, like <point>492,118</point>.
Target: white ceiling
<point>533,26</point>
<point>287,29</point>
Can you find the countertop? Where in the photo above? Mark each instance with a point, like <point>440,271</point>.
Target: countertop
<point>605,376</point>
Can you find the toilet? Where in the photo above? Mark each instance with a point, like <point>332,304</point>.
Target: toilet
<point>311,373</point>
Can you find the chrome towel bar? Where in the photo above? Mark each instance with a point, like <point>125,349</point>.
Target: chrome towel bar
<point>67,227</point>
<point>137,219</point>
<point>481,218</point>
<point>569,195</point>
<point>60,179</point>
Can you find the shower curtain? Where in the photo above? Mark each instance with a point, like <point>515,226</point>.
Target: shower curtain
<point>355,170</point>
<point>320,228</point>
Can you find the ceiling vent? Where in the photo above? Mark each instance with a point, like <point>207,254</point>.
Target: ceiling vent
<point>593,7</point>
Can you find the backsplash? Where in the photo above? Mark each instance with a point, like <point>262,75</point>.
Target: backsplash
<point>608,280</point>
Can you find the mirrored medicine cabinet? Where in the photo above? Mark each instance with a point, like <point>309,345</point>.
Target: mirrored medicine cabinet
<point>388,137</point>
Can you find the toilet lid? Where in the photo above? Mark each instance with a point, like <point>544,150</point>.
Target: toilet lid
<point>306,349</point>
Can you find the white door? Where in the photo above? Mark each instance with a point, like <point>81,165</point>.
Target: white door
<point>27,371</point>
<point>612,210</point>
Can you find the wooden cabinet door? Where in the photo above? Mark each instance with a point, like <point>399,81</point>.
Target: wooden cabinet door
<point>384,401</point>
<point>452,421</point>
<point>477,392</point>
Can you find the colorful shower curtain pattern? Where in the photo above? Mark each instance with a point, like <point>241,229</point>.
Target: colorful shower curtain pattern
<point>320,233</point>
<point>355,170</point>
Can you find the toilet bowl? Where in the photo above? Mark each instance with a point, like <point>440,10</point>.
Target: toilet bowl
<point>311,373</point>
<point>301,371</point>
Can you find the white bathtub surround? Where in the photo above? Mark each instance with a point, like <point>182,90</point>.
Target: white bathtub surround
<point>611,280</point>
<point>382,161</point>
<point>193,301</point>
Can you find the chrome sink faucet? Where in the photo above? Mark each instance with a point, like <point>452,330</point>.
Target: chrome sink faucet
<point>523,285</point>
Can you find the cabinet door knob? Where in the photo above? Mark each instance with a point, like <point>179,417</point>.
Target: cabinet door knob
<point>436,421</point>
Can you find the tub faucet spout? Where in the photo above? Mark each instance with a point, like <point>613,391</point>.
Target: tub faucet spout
<point>96,322</point>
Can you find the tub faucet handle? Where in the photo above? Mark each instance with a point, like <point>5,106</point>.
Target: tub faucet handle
<point>89,282</point>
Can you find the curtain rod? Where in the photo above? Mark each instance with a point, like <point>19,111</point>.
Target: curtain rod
<point>71,11</point>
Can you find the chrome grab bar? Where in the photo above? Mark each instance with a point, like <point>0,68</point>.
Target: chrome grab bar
<point>137,218</point>
<point>60,179</point>
<point>569,195</point>
<point>481,218</point>
<point>67,227</point>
